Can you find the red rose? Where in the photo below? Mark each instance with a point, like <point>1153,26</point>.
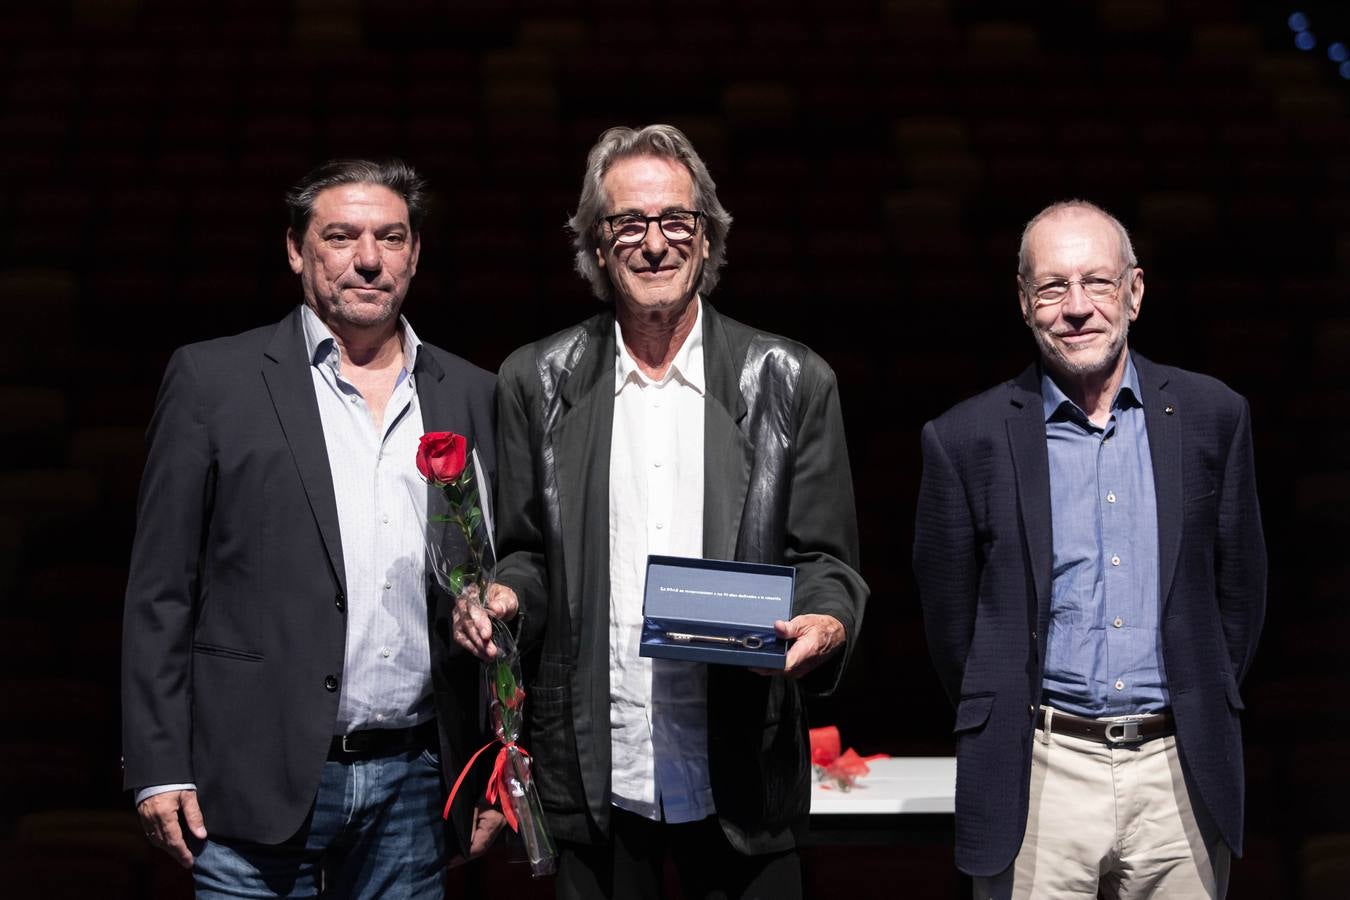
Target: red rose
<point>441,456</point>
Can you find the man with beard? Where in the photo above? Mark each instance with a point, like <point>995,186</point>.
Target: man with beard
<point>1092,570</point>
<point>660,426</point>
<point>291,710</point>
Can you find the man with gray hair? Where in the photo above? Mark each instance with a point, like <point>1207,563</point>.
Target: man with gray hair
<point>1092,570</point>
<point>660,426</point>
<point>287,682</point>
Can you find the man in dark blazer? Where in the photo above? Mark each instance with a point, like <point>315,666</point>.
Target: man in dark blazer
<point>661,426</point>
<point>1092,570</point>
<point>291,704</point>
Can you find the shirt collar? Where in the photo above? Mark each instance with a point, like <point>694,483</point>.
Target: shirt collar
<point>322,346</point>
<point>687,367</point>
<point>1053,399</point>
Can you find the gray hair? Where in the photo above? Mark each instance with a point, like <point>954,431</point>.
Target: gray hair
<point>664,141</point>
<point>394,174</point>
<point>1127,257</point>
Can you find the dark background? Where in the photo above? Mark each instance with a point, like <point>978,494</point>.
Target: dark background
<point>880,159</point>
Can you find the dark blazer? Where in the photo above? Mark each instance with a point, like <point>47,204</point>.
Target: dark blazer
<point>777,489</point>
<point>235,622</point>
<point>982,555</point>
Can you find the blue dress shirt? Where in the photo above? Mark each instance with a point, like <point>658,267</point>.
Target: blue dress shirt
<point>1102,651</point>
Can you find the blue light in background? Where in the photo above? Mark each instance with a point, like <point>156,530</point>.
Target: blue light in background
<point>1338,53</point>
<point>1305,40</point>
<point>1298,22</point>
<point>1345,70</point>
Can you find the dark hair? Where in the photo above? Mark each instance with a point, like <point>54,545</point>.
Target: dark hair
<point>394,174</point>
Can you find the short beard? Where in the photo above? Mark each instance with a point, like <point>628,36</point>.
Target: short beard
<point>1079,369</point>
<point>365,315</point>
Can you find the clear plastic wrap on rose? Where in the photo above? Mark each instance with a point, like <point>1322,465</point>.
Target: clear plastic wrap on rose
<point>446,462</point>
<point>511,774</point>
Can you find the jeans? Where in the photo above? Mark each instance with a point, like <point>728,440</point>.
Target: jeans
<point>375,831</point>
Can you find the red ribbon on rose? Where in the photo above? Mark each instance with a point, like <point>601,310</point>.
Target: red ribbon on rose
<point>497,788</point>
<point>843,768</point>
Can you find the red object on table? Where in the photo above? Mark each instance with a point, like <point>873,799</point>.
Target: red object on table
<point>843,768</point>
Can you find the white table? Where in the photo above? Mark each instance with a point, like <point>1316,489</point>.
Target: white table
<point>904,784</point>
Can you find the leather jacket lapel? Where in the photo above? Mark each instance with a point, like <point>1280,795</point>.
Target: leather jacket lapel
<point>726,471</point>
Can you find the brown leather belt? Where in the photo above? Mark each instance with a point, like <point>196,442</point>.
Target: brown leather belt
<point>1131,731</point>
<point>382,741</point>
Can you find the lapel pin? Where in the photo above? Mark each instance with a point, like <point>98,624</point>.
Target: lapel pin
<point>1169,409</point>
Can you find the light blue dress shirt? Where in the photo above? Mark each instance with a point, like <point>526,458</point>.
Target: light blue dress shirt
<point>382,517</point>
<point>1102,649</point>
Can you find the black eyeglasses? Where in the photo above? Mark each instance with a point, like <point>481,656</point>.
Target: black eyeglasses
<point>627,228</point>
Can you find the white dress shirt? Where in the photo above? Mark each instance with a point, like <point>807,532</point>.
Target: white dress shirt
<point>382,517</point>
<point>658,708</point>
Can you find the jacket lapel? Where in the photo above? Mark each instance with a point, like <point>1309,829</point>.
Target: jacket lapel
<point>285,370</point>
<point>727,454</point>
<point>580,439</point>
<point>439,413</point>
<point>1161,418</point>
<point>1031,462</point>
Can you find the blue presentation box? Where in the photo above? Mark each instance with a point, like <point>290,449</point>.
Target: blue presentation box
<point>715,611</point>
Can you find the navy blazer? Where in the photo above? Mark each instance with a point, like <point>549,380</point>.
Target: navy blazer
<point>235,623</point>
<point>982,557</point>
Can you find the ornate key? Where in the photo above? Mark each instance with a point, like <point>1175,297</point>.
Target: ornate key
<point>749,641</point>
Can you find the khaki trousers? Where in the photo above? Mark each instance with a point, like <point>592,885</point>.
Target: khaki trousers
<point>1118,818</point>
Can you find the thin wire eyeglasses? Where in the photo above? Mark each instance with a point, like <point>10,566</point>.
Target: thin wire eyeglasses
<point>1096,287</point>
<point>677,225</point>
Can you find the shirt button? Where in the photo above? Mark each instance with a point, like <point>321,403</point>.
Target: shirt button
<point>1120,685</point>
<point>387,586</point>
<point>331,683</point>
<point>385,651</point>
<point>384,519</point>
<point>660,525</point>
<point>1115,560</point>
<point>1111,498</point>
<point>1118,622</point>
<point>656,463</point>
<point>355,399</point>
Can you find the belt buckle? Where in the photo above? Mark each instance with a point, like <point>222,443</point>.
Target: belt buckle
<point>345,748</point>
<point>1129,733</point>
